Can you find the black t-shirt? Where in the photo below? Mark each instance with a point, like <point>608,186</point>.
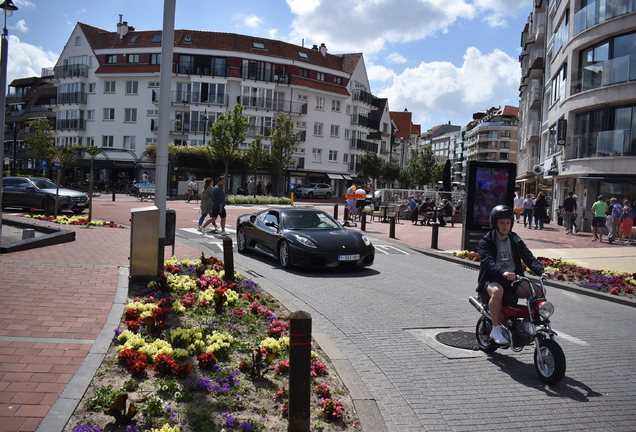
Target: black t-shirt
<point>569,204</point>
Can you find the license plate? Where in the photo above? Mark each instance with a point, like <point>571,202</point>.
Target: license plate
<point>355,257</point>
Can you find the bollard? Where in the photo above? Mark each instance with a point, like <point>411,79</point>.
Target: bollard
<point>434,234</point>
<point>292,198</point>
<point>335,211</point>
<point>47,205</point>
<point>299,371</point>
<point>392,227</point>
<point>363,221</point>
<point>113,194</point>
<point>28,233</point>
<point>346,214</point>
<point>228,259</point>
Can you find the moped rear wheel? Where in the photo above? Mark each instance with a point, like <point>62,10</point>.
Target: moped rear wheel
<point>482,332</point>
<point>552,369</point>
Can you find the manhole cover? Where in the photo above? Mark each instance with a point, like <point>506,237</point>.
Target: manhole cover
<point>458,339</point>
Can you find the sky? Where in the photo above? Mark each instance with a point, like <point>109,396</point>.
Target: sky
<point>442,60</point>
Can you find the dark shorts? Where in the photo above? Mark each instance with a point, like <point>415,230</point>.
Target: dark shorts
<point>216,212</point>
<point>598,221</point>
<point>360,203</point>
<point>510,296</point>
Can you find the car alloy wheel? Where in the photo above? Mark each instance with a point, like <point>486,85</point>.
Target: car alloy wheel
<point>241,241</point>
<point>284,255</point>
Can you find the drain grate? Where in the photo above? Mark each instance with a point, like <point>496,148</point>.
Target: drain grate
<point>458,339</point>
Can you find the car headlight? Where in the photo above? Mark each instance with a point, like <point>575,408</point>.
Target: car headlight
<point>546,309</point>
<point>305,241</point>
<point>65,198</point>
<point>366,240</point>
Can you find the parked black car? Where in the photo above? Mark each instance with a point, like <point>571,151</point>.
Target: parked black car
<point>303,237</point>
<point>30,192</point>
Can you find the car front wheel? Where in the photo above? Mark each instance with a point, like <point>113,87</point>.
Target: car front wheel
<point>284,255</point>
<point>310,195</point>
<point>241,241</point>
<point>327,195</point>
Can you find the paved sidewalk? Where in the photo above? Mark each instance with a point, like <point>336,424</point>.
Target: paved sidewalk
<point>61,303</point>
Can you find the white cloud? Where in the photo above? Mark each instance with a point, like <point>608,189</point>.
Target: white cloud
<point>496,12</point>
<point>24,4</point>
<point>380,73</point>
<point>20,26</point>
<point>253,22</point>
<point>437,92</point>
<point>369,25</point>
<point>396,58</point>
<point>27,60</point>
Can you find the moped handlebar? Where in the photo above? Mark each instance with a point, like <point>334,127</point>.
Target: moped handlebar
<point>544,276</point>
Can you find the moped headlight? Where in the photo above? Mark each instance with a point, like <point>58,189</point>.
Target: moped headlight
<point>305,241</point>
<point>546,309</point>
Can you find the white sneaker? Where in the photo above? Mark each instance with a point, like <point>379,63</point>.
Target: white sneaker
<point>201,229</point>
<point>497,336</point>
<point>223,233</point>
<point>215,229</point>
<point>528,327</point>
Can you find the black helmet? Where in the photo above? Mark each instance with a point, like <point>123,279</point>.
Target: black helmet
<point>501,212</point>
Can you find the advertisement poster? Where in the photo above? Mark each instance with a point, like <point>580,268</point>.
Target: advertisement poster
<point>491,189</point>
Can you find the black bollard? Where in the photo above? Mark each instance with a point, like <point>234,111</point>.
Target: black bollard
<point>363,221</point>
<point>335,211</point>
<point>228,259</point>
<point>392,227</point>
<point>346,214</point>
<point>47,205</point>
<point>299,371</point>
<point>113,194</point>
<point>434,234</point>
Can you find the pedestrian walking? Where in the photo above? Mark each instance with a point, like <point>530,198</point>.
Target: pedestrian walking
<point>528,206</point>
<point>579,212</point>
<point>268,188</point>
<point>627,223</point>
<point>540,211</point>
<point>518,205</point>
<point>598,220</point>
<point>569,207</point>
<point>218,206</point>
<point>206,203</point>
<point>614,221</point>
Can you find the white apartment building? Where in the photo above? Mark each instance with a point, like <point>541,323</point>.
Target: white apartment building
<point>579,100</point>
<point>108,93</point>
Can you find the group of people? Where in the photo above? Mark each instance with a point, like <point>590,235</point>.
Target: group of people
<point>530,208</point>
<point>427,207</point>
<point>355,206</point>
<point>619,220</point>
<point>213,205</point>
<point>256,187</point>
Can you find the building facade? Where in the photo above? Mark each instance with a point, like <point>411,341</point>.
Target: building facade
<point>107,94</point>
<point>492,135</point>
<point>584,97</point>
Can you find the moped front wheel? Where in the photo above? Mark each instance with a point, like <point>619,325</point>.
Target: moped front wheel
<point>482,332</point>
<point>552,369</point>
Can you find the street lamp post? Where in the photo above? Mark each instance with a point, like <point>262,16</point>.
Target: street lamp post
<point>205,123</point>
<point>8,7</point>
<point>14,171</point>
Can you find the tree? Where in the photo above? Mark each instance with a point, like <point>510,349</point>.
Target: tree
<point>92,153</point>
<point>420,166</point>
<point>226,134</point>
<point>283,141</point>
<point>41,144</point>
<point>371,166</point>
<point>438,174</point>
<point>390,172</point>
<point>255,155</point>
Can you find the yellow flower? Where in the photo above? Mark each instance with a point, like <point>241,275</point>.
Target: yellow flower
<point>166,428</point>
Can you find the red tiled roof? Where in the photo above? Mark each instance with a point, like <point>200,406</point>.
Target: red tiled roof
<point>127,68</point>
<point>350,61</point>
<point>102,39</point>
<point>402,120</point>
<point>508,110</point>
<point>319,85</point>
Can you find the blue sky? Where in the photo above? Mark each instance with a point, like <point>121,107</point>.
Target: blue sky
<point>440,59</point>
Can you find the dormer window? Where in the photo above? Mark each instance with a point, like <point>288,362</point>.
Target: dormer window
<point>133,40</point>
<point>258,45</point>
<point>78,40</point>
<point>156,39</point>
<point>303,55</point>
<point>187,39</point>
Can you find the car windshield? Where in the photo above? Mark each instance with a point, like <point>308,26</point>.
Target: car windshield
<point>311,185</point>
<point>43,184</point>
<point>309,220</point>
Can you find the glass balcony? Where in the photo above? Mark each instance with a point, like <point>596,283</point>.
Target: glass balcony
<point>198,98</point>
<point>67,71</point>
<point>618,70</point>
<point>600,11</point>
<point>615,143</point>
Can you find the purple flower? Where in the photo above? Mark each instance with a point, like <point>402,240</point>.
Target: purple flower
<point>246,426</point>
<point>131,428</point>
<point>205,383</point>
<point>229,420</point>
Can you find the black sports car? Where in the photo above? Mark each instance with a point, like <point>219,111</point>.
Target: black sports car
<point>303,237</point>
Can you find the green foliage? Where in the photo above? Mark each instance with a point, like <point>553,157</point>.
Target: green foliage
<point>420,166</point>
<point>283,141</point>
<point>371,166</point>
<point>153,408</point>
<point>174,390</point>
<point>41,144</point>
<point>438,174</point>
<point>226,134</point>
<point>390,172</point>
<point>255,156</point>
<point>262,200</point>
<point>103,398</point>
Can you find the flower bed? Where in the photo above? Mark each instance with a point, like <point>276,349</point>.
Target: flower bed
<point>73,220</point>
<point>609,281</point>
<point>194,353</point>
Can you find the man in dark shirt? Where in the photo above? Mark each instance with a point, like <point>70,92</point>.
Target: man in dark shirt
<point>569,208</point>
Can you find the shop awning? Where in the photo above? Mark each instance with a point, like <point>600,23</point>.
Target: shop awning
<point>347,177</point>
<point>335,176</point>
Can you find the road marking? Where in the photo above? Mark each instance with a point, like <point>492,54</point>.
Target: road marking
<point>207,233</point>
<point>389,250</point>
<point>572,339</point>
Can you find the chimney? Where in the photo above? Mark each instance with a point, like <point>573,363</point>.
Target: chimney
<point>122,28</point>
<point>323,49</point>
<point>315,47</point>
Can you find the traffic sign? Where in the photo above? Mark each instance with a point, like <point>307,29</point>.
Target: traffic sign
<point>44,165</point>
<point>56,160</point>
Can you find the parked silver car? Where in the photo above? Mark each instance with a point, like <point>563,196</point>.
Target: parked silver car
<point>315,190</point>
<point>30,192</point>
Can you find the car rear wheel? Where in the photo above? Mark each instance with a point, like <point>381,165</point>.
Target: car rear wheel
<point>241,241</point>
<point>327,195</point>
<point>284,255</point>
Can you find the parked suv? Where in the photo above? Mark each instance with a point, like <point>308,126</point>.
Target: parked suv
<point>30,192</point>
<point>315,190</point>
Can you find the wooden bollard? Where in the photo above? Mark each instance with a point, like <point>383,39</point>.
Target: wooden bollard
<point>228,259</point>
<point>299,372</point>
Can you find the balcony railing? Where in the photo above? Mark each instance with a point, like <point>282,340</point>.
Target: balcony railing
<point>75,124</point>
<point>79,70</point>
<point>599,11</point>
<point>615,143</point>
<point>608,72</point>
<point>265,131</point>
<point>362,120</point>
<point>363,145</point>
<point>199,98</point>
<point>70,97</point>
<point>525,165</point>
<point>297,108</point>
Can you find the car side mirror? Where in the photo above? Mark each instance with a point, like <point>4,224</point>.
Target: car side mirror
<point>271,224</point>
<point>30,188</point>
